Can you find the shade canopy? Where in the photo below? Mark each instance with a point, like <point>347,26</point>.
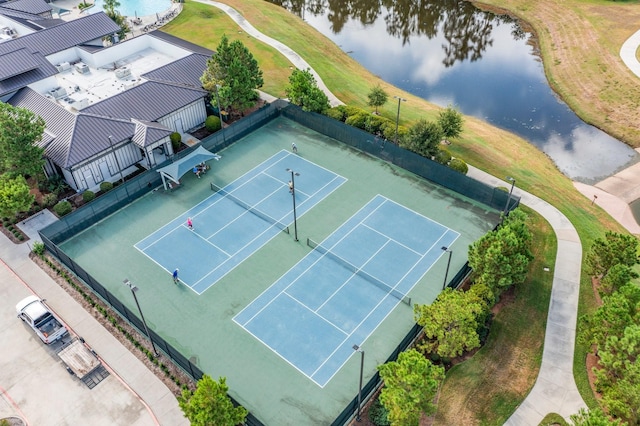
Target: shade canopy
<point>174,171</point>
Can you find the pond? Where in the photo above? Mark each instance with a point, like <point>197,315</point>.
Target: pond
<point>450,53</point>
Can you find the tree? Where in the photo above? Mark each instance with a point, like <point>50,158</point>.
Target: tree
<point>303,91</point>
<point>595,417</point>
<point>110,8</point>
<point>377,97</point>
<point>619,378</point>
<point>21,130</point>
<point>450,121</point>
<point>233,75</point>
<point>410,386</point>
<point>618,276</point>
<point>618,310</point>
<point>209,404</point>
<point>501,258</point>
<point>451,322</point>
<point>14,195</point>
<point>612,250</point>
<point>423,138</point>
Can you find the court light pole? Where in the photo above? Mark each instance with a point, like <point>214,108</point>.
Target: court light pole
<point>220,113</point>
<point>398,115</point>
<point>506,206</point>
<point>293,196</point>
<point>134,289</point>
<point>114,154</point>
<point>446,273</point>
<point>357,349</point>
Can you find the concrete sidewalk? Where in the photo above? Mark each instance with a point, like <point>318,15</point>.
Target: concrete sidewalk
<point>138,384</point>
<point>292,56</point>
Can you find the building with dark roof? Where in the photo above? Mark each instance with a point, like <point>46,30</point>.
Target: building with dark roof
<point>108,108</point>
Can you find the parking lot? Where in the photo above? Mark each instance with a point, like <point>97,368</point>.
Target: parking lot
<point>34,383</point>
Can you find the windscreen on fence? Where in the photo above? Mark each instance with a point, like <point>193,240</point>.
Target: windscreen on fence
<point>386,150</point>
<point>121,195</point>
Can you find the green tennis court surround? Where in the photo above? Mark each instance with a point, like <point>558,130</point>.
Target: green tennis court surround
<point>198,330</point>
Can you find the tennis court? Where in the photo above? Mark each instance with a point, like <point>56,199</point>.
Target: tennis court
<point>345,220</point>
<point>237,220</point>
<point>342,291</point>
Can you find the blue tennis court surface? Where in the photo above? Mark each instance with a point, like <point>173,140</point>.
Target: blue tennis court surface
<point>233,223</point>
<point>342,290</point>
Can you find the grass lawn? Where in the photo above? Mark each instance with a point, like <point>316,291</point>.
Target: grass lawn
<point>491,149</point>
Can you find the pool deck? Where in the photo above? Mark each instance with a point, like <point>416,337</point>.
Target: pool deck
<point>136,29</point>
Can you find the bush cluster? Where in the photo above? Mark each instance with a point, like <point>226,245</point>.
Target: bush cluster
<point>62,208</point>
<point>212,123</point>
<point>88,196</point>
<point>176,140</point>
<point>363,119</point>
<point>49,200</point>
<point>16,232</point>
<point>106,186</point>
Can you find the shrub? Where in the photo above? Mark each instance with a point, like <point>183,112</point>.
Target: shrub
<point>62,208</point>
<point>212,123</point>
<point>459,165</point>
<point>376,124</point>
<point>378,414</point>
<point>106,186</point>
<point>38,248</point>
<point>348,110</point>
<point>443,156</point>
<point>88,196</point>
<point>176,140</point>
<point>335,113</point>
<point>49,200</point>
<point>55,184</point>
<point>358,120</point>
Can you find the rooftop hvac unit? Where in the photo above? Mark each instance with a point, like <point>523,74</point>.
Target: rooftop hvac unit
<point>64,66</point>
<point>73,104</point>
<point>82,68</point>
<point>58,92</point>
<point>79,104</point>
<point>123,72</point>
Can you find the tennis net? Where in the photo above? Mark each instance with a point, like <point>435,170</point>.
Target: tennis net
<point>249,208</point>
<point>351,267</point>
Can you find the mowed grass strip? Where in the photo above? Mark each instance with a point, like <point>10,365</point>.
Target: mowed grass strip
<point>488,387</point>
<point>496,151</point>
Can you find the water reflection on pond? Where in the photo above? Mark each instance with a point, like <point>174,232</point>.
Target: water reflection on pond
<point>449,52</point>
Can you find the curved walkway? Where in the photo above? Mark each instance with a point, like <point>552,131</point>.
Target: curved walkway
<point>555,390</point>
<point>281,47</point>
<point>628,53</point>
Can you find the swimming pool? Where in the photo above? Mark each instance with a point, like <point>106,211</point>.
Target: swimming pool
<point>133,8</point>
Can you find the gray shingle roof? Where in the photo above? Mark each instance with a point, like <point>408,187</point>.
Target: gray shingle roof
<point>186,71</point>
<point>17,62</point>
<point>148,101</point>
<point>61,37</point>
<point>73,138</point>
<point>91,136</point>
<point>149,132</point>
<point>17,81</point>
<point>180,42</point>
<point>30,6</point>
<point>27,19</point>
